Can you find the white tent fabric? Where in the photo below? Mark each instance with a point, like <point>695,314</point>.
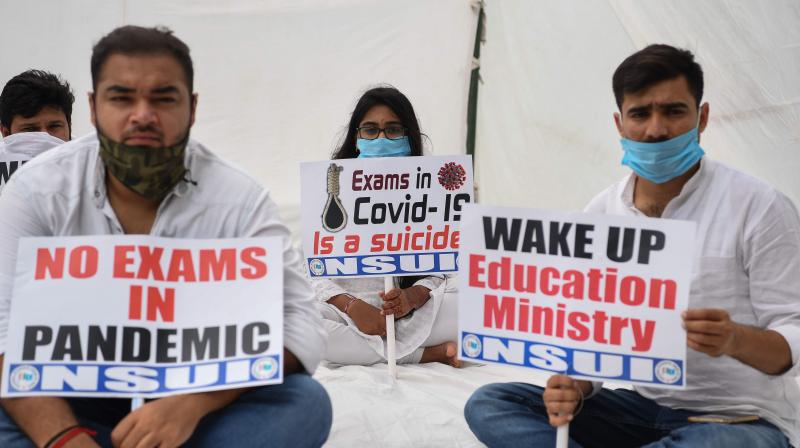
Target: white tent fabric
<point>276,79</point>
<point>545,123</point>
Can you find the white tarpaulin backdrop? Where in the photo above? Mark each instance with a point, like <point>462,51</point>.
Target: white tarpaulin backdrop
<point>546,136</point>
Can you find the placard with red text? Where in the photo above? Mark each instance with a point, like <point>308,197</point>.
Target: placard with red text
<point>383,216</point>
<point>595,297</point>
<point>139,316</point>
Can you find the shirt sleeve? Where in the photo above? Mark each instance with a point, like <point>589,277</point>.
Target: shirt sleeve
<point>18,218</point>
<point>324,289</point>
<point>772,260</point>
<point>302,326</point>
<point>431,281</point>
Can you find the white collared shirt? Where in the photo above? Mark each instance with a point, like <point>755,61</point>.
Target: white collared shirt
<point>62,193</point>
<point>747,262</point>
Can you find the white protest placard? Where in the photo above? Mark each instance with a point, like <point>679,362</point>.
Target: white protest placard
<point>10,163</point>
<point>383,216</point>
<point>595,297</point>
<point>140,316</point>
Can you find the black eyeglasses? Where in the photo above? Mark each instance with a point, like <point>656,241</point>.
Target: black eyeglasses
<point>392,132</point>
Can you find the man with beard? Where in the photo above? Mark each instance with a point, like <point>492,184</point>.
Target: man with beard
<point>141,174</point>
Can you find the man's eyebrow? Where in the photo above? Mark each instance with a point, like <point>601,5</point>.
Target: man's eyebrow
<point>164,89</point>
<point>675,105</point>
<point>643,108</point>
<point>116,88</point>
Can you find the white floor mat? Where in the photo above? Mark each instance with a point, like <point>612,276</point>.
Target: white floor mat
<point>423,408</point>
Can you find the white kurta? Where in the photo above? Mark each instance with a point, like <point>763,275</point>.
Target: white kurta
<point>411,333</point>
<point>747,261</point>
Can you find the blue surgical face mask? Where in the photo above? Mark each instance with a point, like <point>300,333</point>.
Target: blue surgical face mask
<point>663,161</point>
<point>383,147</point>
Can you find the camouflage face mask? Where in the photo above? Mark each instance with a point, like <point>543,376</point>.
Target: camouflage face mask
<point>150,172</point>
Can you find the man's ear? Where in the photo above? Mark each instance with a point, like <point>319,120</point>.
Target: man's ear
<point>704,111</point>
<point>194,108</point>
<point>618,123</point>
<point>92,112</point>
<point>5,131</point>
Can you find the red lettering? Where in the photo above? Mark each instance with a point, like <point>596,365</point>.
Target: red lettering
<point>497,315</point>
<point>258,268</point>
<point>150,266</point>
<point>579,330</point>
<point>46,263</point>
<point>121,261</point>
<point>544,284</point>
<point>213,267</point>
<point>181,265</point>
<point>656,285</point>
<point>476,270</point>
<point>636,297</point>
<point>135,303</point>
<point>83,262</point>
<point>158,304</point>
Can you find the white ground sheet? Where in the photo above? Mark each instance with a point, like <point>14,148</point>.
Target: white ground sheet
<point>423,408</point>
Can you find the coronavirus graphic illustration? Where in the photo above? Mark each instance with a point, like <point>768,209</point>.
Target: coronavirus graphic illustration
<point>452,176</point>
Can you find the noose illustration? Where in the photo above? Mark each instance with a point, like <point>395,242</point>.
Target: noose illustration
<point>334,217</point>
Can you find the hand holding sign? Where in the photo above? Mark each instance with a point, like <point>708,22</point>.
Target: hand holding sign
<point>710,331</point>
<point>166,422</point>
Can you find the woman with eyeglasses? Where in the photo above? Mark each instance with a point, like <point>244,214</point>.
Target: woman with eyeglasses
<point>383,124</point>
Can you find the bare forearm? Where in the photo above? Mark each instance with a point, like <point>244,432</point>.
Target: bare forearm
<point>418,295</point>
<point>40,417</point>
<point>765,350</point>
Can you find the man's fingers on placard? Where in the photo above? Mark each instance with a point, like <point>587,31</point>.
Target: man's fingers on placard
<point>704,326</point>
<point>704,339</point>
<point>559,381</point>
<point>560,394</point>
<point>149,441</point>
<point>704,314</point>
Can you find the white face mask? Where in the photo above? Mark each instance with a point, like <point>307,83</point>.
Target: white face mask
<point>31,143</point>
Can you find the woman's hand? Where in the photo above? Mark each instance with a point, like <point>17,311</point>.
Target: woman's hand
<point>367,318</point>
<point>400,302</point>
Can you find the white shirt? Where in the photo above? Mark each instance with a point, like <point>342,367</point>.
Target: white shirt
<point>62,192</point>
<point>747,262</point>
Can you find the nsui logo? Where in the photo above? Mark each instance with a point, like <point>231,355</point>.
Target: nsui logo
<point>264,368</point>
<point>317,266</point>
<point>471,345</point>
<point>24,378</point>
<point>668,372</point>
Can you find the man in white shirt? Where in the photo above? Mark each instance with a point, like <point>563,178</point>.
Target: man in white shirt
<point>36,101</point>
<point>743,321</point>
<point>141,174</point>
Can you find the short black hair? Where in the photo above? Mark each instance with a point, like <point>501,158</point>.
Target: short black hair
<point>31,91</point>
<point>653,64</point>
<point>137,40</point>
<point>392,98</point>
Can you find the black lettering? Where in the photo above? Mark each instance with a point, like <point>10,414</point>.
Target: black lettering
<point>164,345</point>
<point>35,336</point>
<point>249,345</point>
<point>68,343</point>
<point>534,237</point>
<point>493,235</point>
<point>651,240</point>
<point>105,344</point>
<point>197,345</point>
<point>357,216</point>
<point>582,240</point>
<point>613,250</point>
<point>133,338</point>
<point>558,238</point>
